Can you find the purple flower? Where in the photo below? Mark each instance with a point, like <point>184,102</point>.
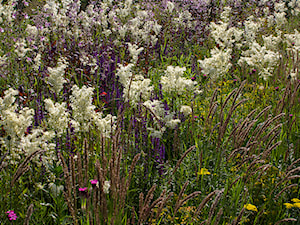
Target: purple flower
<point>11,215</point>
<point>276,88</point>
<point>291,115</point>
<point>193,78</point>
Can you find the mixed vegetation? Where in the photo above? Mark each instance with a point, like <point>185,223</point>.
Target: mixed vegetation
<point>150,112</point>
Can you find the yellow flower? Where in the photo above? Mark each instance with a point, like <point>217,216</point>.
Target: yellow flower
<point>288,205</point>
<point>297,204</point>
<point>296,200</point>
<point>250,207</point>
<point>203,171</point>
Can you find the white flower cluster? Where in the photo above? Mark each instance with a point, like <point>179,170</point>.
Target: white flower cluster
<point>105,125</point>
<point>39,139</point>
<point>136,88</point>
<point>173,82</point>
<point>134,52</point>
<point>141,28</point>
<point>56,76</point>
<point>271,42</point>
<point>32,30</point>
<point>293,41</point>
<point>184,20</point>
<point>250,30</point>
<point>186,110</point>
<point>82,107</point>
<point>261,58</point>
<point>84,115</point>
<point>7,11</point>
<point>295,7</point>
<point>58,116</point>
<point>89,60</point>
<point>161,118</point>
<point>15,124</point>
<point>218,64</point>
<point>106,187</point>
<point>21,48</point>
<point>223,35</point>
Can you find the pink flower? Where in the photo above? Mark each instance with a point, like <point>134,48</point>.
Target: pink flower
<point>291,115</point>
<point>11,215</point>
<point>94,182</point>
<point>83,189</point>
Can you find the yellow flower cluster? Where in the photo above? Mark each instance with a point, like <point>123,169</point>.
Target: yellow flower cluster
<point>250,207</point>
<point>203,171</point>
<point>295,205</point>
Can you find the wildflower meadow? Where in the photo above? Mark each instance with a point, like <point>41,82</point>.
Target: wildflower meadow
<point>150,112</point>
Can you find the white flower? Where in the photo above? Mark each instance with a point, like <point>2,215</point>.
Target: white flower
<point>106,187</point>
<point>173,123</point>
<point>261,58</point>
<point>186,110</point>
<point>218,64</point>
<point>293,76</point>
<point>32,30</point>
<point>56,76</point>
<point>173,82</point>
<point>58,116</point>
<point>37,62</point>
<point>134,51</point>
<point>20,48</point>
<point>82,108</point>
<point>170,6</point>
<point>105,125</point>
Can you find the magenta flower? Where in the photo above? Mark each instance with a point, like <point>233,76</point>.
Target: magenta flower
<point>83,189</point>
<point>291,115</point>
<point>276,88</point>
<point>94,182</point>
<point>11,215</point>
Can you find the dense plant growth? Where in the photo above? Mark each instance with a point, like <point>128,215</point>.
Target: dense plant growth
<point>149,112</point>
